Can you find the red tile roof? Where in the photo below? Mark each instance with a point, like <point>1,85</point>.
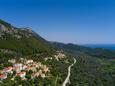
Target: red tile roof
<point>21,73</point>
<point>8,68</point>
<point>3,76</point>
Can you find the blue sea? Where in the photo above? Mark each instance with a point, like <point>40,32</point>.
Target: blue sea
<point>104,46</point>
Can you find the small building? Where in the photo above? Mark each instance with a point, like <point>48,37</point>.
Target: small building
<point>17,69</point>
<point>12,61</point>
<point>24,67</point>
<point>29,61</point>
<point>35,75</point>
<point>3,76</point>
<point>46,70</point>
<point>28,68</point>
<point>8,69</point>
<point>18,64</point>
<point>33,69</point>
<point>35,65</point>
<point>22,74</point>
<point>43,75</point>
<point>39,64</point>
<point>40,72</point>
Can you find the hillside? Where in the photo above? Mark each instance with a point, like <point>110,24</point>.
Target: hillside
<point>78,49</point>
<point>94,67</point>
<point>22,40</point>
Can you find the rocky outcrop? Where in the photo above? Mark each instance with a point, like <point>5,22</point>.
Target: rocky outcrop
<point>3,28</point>
<point>15,32</point>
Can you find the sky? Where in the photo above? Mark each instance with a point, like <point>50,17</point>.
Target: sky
<point>67,21</point>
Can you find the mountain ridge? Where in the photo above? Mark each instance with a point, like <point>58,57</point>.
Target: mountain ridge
<point>77,49</point>
<point>23,38</point>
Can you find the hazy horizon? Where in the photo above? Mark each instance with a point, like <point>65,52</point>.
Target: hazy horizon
<point>75,21</point>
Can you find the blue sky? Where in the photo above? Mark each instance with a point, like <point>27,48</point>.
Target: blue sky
<point>75,21</point>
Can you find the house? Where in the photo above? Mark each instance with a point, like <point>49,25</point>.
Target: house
<point>12,79</point>
<point>45,70</point>
<point>12,61</point>
<point>56,57</point>
<point>43,66</point>
<point>17,69</point>
<point>22,59</point>
<point>24,67</point>
<point>39,64</point>
<point>45,59</point>
<point>28,68</point>
<point>33,69</point>
<point>43,75</point>
<point>35,65</point>
<point>29,61</point>
<point>8,69</point>
<point>22,74</point>
<point>35,75</point>
<point>3,76</point>
<point>19,65</point>
<point>40,72</point>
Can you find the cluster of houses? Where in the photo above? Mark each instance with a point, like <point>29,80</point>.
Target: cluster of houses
<point>22,67</point>
<point>59,55</point>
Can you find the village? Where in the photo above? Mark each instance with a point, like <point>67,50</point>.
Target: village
<point>26,69</point>
<point>22,67</point>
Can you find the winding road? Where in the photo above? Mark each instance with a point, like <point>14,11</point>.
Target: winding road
<point>69,74</point>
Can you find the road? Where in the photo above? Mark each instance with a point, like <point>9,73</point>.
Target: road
<point>69,74</point>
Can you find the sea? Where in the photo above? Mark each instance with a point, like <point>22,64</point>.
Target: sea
<point>104,46</point>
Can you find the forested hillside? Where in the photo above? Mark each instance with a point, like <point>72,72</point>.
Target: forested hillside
<point>94,67</point>
<point>22,40</point>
